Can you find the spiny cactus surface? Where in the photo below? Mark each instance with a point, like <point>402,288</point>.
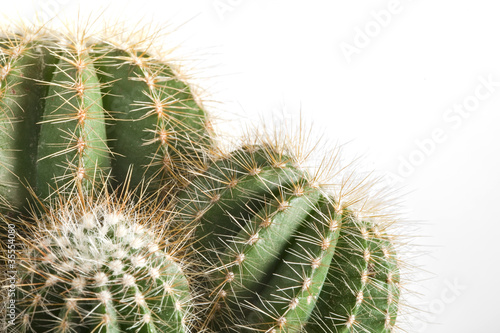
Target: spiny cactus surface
<point>249,242</point>
<point>102,267</point>
<point>286,256</point>
<point>75,107</point>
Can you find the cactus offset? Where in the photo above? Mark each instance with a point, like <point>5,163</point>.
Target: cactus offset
<point>102,264</point>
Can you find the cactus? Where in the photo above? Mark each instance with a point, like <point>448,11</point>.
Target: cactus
<point>102,265</point>
<point>248,242</point>
<point>81,113</point>
<point>76,107</point>
<point>286,255</point>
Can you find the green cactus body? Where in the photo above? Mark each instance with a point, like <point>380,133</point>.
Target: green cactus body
<point>74,111</point>
<point>230,190</point>
<point>103,270</point>
<point>72,140</point>
<point>22,65</point>
<point>379,307</point>
<point>156,121</point>
<point>361,293</point>
<point>284,256</point>
<point>290,295</point>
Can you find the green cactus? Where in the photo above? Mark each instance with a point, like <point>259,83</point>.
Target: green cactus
<point>79,112</point>
<point>249,242</point>
<point>286,255</point>
<point>102,266</point>
<point>75,108</point>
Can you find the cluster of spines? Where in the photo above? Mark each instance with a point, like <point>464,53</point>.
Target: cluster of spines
<point>103,269</point>
<point>285,252</point>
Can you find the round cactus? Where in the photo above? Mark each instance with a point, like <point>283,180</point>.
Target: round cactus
<point>102,266</point>
<point>287,255</point>
<point>76,107</point>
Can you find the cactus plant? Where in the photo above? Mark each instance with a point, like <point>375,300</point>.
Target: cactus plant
<point>75,107</point>
<point>288,256</point>
<point>276,252</point>
<point>96,264</point>
<point>80,113</point>
<point>249,241</point>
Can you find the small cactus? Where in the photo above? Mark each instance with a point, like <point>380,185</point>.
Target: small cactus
<point>102,265</point>
<point>75,107</point>
<point>287,255</point>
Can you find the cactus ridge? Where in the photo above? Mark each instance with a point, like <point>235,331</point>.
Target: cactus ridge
<point>230,189</point>
<point>20,59</point>
<point>287,255</point>
<point>289,297</point>
<point>379,310</point>
<point>72,129</point>
<point>105,267</point>
<point>361,291</point>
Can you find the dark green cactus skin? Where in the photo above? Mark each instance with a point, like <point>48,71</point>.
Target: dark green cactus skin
<point>284,256</point>
<point>73,112</point>
<point>18,129</point>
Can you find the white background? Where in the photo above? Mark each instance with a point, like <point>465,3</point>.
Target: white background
<point>386,77</point>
